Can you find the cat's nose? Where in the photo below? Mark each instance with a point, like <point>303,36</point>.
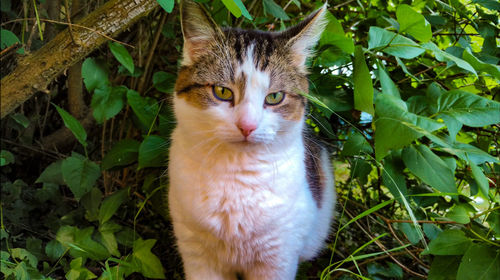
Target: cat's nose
<point>246,128</point>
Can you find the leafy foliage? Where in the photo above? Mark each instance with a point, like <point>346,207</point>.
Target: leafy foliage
<point>406,92</point>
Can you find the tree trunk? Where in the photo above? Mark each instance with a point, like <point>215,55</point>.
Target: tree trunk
<point>37,70</point>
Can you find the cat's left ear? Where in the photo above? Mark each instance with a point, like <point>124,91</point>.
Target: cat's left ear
<point>305,35</point>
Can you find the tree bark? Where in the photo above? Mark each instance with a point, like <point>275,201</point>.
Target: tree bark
<point>37,70</point>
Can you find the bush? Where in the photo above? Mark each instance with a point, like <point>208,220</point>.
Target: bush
<point>405,91</point>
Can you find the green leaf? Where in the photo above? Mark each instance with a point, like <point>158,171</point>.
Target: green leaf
<point>449,242</point>
<point>54,249</point>
<point>413,23</point>
<point>444,56</point>
<point>52,174</point>
<point>108,238</point>
<point>150,264</point>
<point>94,74</point>
<point>393,177</point>
<point>144,108</point>
<point>163,81</point>
<point>431,231</point>
<point>167,5</point>
<point>123,153</point>
<point>469,109</point>
<point>111,204</point>
<point>6,158</point>
<point>23,254</point>
<point>480,262</point>
<point>274,9</point>
<point>80,243</point>
<point>431,169</point>
<point>356,144</point>
<point>122,55</point>
<point>459,213</point>
<point>152,152</point>
<point>7,39</point>
<point>334,35</point>
<point>78,271</point>
<point>411,232</point>
<point>363,87</point>
<point>480,179</point>
<point>392,43</point>
<point>80,174</point>
<point>395,127</point>
<point>237,8</point>
<point>91,202</point>
<point>494,221</point>
<point>21,119</point>
<point>490,4</point>
<point>388,86</point>
<point>444,268</point>
<point>493,70</point>
<point>73,125</point>
<point>107,102</point>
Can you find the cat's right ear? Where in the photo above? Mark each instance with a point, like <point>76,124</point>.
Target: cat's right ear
<point>198,28</point>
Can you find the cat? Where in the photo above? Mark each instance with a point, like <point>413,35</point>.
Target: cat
<point>250,193</point>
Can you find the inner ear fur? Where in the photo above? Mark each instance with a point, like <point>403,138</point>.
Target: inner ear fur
<point>198,29</point>
<point>302,37</point>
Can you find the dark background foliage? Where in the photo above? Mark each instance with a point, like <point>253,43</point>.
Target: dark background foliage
<point>405,92</point>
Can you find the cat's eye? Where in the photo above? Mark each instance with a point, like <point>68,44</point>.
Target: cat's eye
<point>275,98</point>
<point>222,93</point>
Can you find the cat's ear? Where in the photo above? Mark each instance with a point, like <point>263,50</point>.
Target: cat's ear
<point>305,35</point>
<point>198,28</point>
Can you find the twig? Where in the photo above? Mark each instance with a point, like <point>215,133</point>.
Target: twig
<point>68,18</point>
<point>342,4</point>
<point>421,72</point>
<point>8,49</point>
<point>406,249</point>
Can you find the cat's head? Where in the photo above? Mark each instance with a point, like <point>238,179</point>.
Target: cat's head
<point>243,86</point>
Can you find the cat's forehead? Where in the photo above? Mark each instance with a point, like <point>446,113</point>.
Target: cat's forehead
<point>261,46</point>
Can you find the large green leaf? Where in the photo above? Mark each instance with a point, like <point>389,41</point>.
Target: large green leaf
<point>449,242</point>
<point>393,177</point>
<point>459,213</point>
<point>7,39</point>
<point>150,264</point>
<point>334,35</point>
<point>480,66</point>
<point>392,43</point>
<point>80,243</point>
<point>445,56</point>
<point>73,125</point>
<point>363,87</point>
<point>163,81</point>
<point>480,262</point>
<point>94,74</point>
<point>395,127</point>
<point>52,174</point>
<point>388,86</point>
<point>152,152</point>
<point>356,144</point>
<point>122,55</point>
<point>469,109</point>
<point>110,204</point>
<point>107,102</point>
<point>80,174</point>
<point>444,268</point>
<point>413,23</point>
<point>274,9</point>
<point>145,108</point>
<point>480,178</point>
<point>108,238</point>
<point>237,8</point>
<point>167,5</point>
<point>430,168</point>
<point>123,153</point>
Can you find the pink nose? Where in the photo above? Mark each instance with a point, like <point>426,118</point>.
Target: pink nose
<point>246,128</point>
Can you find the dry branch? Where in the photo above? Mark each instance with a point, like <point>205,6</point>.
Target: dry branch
<point>36,71</point>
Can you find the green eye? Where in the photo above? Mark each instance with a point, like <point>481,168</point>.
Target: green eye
<point>222,93</point>
<point>275,98</point>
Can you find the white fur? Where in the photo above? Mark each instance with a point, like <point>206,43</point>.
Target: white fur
<point>243,206</point>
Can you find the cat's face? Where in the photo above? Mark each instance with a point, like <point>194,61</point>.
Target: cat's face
<point>242,87</point>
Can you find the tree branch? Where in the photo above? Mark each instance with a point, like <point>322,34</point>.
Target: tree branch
<point>37,70</point>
